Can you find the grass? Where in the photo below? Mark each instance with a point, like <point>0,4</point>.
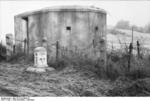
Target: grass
<point>2,52</point>
<point>125,82</point>
<point>117,65</point>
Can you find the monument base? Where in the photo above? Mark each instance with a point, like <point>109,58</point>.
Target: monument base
<point>39,69</point>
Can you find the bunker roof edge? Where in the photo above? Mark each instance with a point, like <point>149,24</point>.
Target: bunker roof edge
<point>62,8</point>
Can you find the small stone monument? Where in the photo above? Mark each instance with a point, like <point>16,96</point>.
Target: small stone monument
<point>9,46</point>
<point>40,57</point>
<point>40,61</point>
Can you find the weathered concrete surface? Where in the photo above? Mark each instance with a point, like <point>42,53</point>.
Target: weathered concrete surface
<point>77,30</point>
<point>20,35</point>
<point>9,46</point>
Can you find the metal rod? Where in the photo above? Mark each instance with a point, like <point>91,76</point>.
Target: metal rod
<point>57,50</point>
<point>132,35</point>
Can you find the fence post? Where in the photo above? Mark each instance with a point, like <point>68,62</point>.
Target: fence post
<point>57,50</point>
<point>25,41</point>
<point>1,47</point>
<point>14,49</point>
<point>9,46</point>
<point>138,49</point>
<point>130,53</point>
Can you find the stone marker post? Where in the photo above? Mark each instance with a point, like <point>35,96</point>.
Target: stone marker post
<point>40,57</point>
<point>9,46</point>
<point>40,61</point>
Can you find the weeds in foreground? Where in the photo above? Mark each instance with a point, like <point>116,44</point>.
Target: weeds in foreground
<point>2,52</point>
<point>117,65</point>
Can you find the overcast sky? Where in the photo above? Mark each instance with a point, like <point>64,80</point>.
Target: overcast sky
<point>137,12</point>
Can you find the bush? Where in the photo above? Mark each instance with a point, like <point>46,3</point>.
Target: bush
<point>123,24</point>
<point>126,87</point>
<point>116,32</point>
<point>60,64</point>
<point>78,60</point>
<point>21,57</point>
<point>2,52</point>
<point>111,71</point>
<point>117,65</point>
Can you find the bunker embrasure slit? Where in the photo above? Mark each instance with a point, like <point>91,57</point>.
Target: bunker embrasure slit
<point>96,28</point>
<point>68,28</point>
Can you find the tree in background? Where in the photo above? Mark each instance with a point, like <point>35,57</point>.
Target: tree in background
<point>123,24</point>
<point>147,28</point>
<point>139,29</point>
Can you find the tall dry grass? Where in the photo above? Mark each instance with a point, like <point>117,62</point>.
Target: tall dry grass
<point>117,64</point>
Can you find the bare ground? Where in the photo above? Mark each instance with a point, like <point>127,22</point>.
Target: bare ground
<point>15,81</point>
<point>70,81</point>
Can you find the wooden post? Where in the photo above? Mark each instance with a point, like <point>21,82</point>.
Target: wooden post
<point>129,55</point>
<point>130,52</point>
<point>9,46</point>
<point>1,47</point>
<point>25,41</point>
<point>13,49</point>
<point>132,35</point>
<point>57,50</point>
<point>138,49</point>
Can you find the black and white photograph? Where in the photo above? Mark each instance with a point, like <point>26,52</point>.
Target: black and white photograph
<point>68,48</point>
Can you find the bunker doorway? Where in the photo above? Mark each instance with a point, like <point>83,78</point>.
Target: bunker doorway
<point>25,35</point>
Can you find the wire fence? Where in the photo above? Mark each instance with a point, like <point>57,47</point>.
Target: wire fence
<point>57,45</point>
<point>114,43</point>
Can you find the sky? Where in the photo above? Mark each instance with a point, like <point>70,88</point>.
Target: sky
<point>136,12</point>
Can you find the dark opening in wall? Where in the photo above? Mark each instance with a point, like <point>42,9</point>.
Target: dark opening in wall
<point>96,28</point>
<point>68,28</point>
<point>26,40</point>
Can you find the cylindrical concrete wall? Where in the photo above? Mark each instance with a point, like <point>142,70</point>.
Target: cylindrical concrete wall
<point>76,29</point>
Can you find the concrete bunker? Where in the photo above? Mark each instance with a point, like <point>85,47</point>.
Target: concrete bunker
<point>77,29</point>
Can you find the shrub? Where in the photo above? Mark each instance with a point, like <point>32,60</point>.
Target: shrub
<point>60,64</point>
<point>116,32</point>
<point>21,57</point>
<point>2,52</point>
<point>117,65</point>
